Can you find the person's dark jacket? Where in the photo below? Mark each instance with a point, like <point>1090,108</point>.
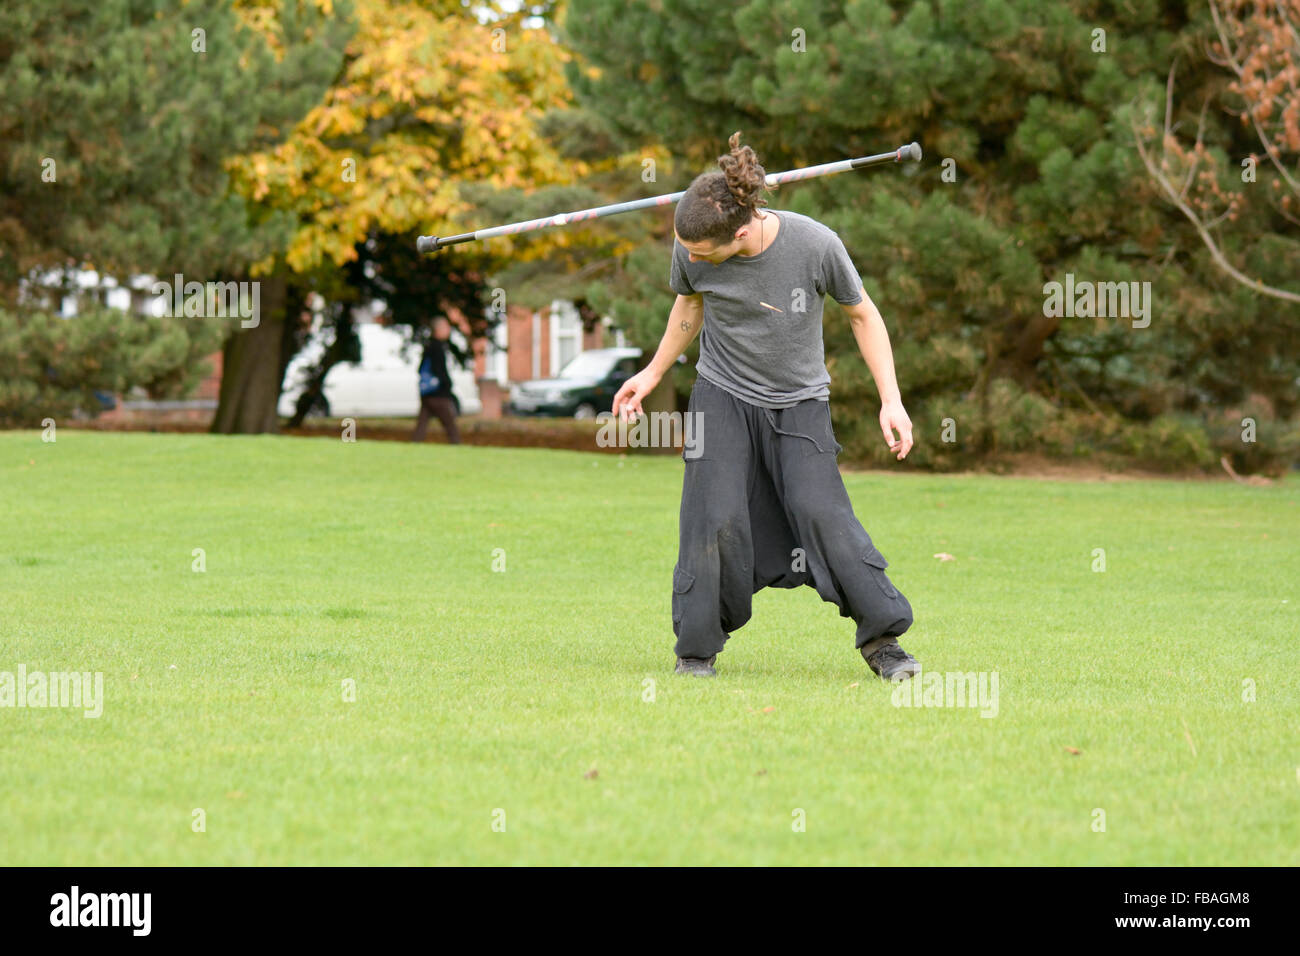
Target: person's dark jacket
<point>434,363</point>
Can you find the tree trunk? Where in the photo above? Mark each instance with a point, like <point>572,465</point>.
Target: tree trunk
<point>986,437</point>
<point>344,348</point>
<point>1020,358</point>
<point>252,371</point>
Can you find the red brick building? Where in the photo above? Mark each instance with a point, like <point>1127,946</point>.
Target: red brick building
<point>531,344</point>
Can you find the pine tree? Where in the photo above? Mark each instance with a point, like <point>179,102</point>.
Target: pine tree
<point>116,122</point>
<point>1025,109</point>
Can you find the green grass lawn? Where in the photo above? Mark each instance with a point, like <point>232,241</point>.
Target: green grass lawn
<point>546,690</point>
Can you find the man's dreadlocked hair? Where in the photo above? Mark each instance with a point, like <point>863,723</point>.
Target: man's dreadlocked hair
<point>717,204</point>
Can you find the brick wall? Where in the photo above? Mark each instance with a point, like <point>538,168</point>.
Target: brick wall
<point>210,387</point>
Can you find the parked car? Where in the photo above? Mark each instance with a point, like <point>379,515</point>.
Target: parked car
<point>385,383</point>
<point>585,387</point>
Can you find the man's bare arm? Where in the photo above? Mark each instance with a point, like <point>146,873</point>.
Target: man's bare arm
<point>684,323</point>
<point>873,342</point>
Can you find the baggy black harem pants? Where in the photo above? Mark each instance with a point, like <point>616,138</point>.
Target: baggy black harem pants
<point>763,505</point>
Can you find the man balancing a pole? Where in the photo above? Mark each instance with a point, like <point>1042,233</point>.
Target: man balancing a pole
<point>763,503</point>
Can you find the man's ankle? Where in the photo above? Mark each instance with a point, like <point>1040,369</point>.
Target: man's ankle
<point>876,644</point>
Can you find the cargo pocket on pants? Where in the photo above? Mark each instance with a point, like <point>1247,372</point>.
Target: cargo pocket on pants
<point>682,582</point>
<point>876,561</point>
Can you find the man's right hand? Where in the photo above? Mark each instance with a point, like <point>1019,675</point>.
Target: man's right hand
<point>627,403</point>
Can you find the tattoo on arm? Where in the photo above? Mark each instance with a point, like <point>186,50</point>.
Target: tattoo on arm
<point>686,325</point>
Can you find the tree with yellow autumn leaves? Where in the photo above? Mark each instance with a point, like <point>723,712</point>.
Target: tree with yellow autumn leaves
<point>434,105</point>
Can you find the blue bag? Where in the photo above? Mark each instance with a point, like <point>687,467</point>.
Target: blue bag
<point>429,383</point>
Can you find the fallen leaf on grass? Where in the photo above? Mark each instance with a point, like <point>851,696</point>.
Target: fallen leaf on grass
<point>768,710</point>
<point>763,772</point>
<point>1074,750</point>
<point>591,774</point>
<point>854,684</point>
<point>945,556</point>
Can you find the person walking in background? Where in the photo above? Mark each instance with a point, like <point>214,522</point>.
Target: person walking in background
<point>435,386</point>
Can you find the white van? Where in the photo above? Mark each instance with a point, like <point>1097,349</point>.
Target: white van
<point>386,383</point>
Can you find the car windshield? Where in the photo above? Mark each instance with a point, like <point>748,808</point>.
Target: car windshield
<point>589,365</point>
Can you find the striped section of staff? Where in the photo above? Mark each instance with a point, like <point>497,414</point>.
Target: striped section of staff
<point>910,153</point>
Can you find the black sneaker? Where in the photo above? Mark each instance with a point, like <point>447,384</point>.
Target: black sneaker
<point>697,666</point>
<point>891,662</point>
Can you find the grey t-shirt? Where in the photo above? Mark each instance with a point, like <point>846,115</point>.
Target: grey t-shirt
<point>774,359</point>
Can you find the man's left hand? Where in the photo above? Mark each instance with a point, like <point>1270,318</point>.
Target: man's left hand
<point>893,417</point>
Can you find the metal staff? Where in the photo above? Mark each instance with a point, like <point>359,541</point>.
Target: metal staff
<point>912,151</point>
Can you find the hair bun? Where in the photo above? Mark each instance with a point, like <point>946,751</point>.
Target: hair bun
<point>745,178</point>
